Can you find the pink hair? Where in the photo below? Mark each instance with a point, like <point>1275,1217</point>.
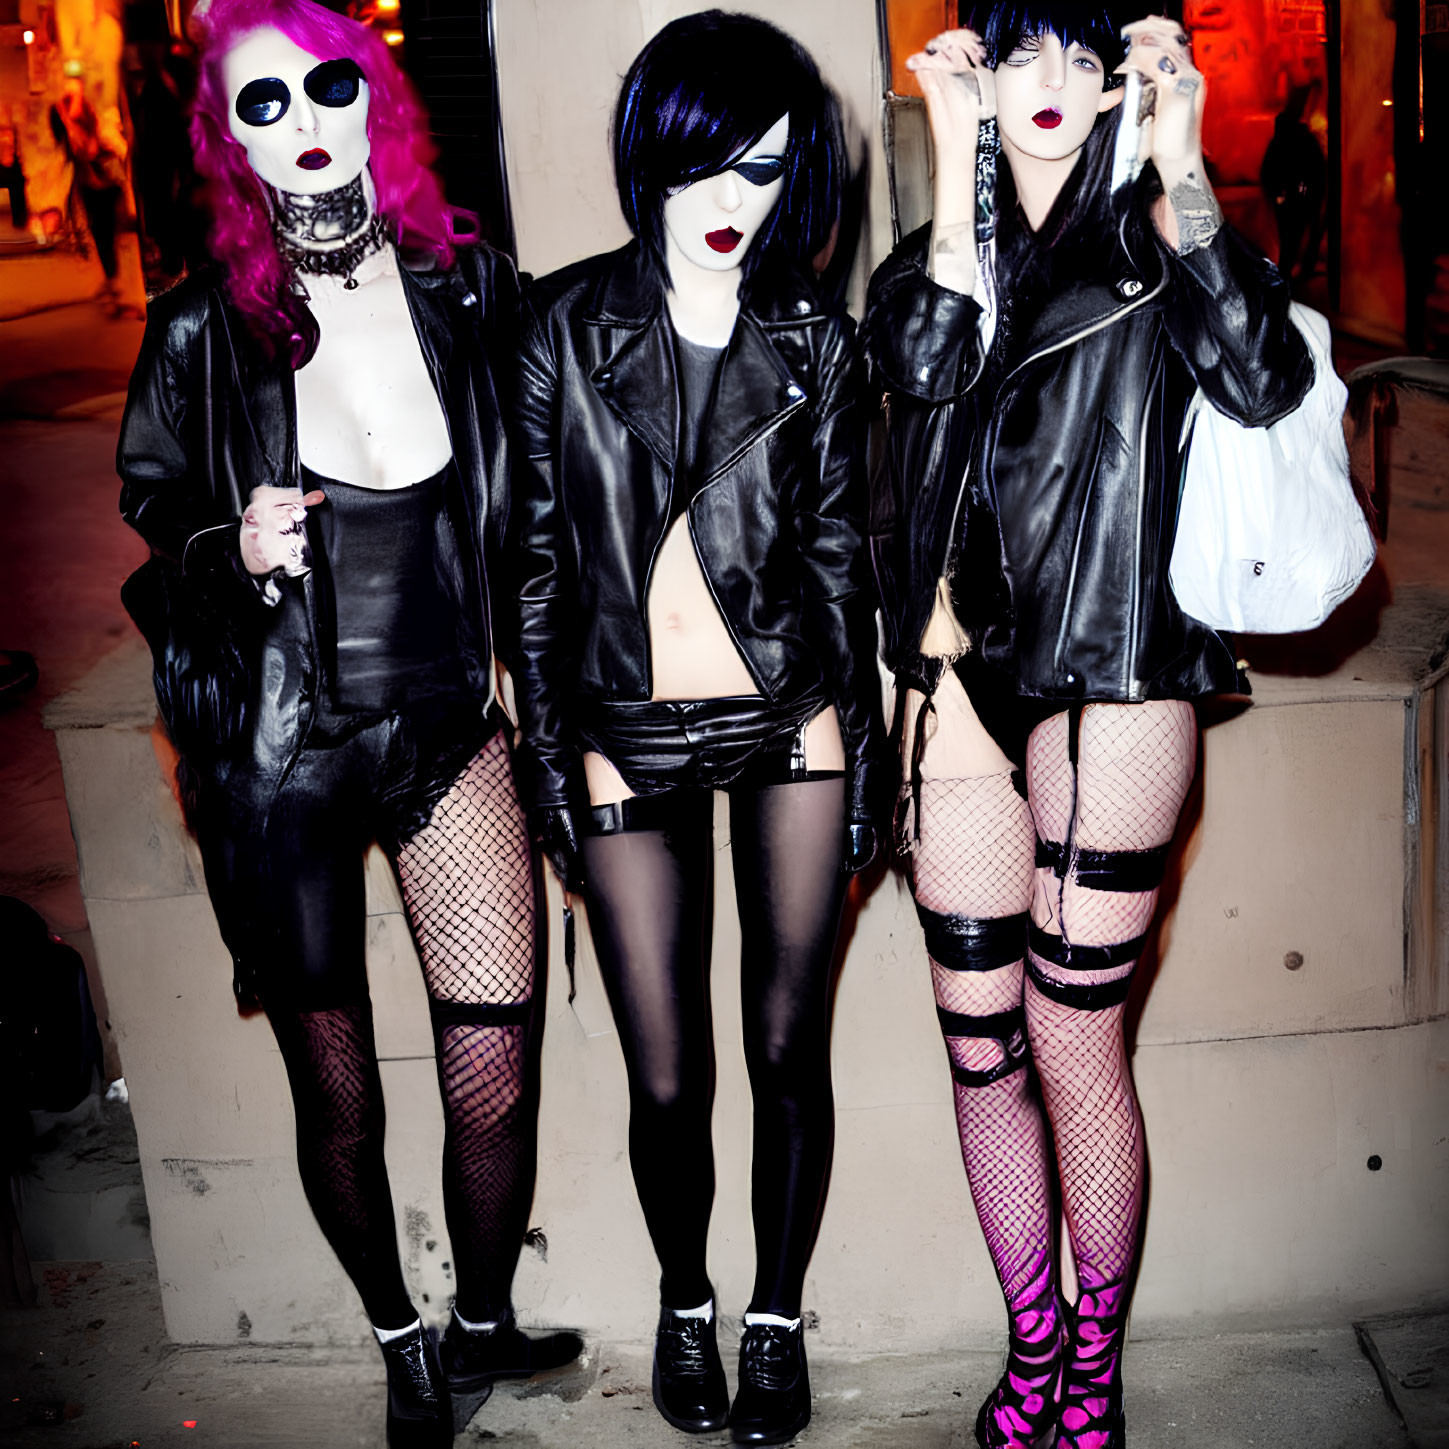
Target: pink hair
<point>409,196</point>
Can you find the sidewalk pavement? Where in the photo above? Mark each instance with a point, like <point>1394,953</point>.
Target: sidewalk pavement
<point>91,1368</point>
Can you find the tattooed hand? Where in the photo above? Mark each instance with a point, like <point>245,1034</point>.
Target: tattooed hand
<point>274,531</point>
<point>1174,91</point>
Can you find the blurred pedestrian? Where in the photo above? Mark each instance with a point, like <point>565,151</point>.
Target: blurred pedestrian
<point>98,155</point>
<point>12,176</point>
<point>1294,178</point>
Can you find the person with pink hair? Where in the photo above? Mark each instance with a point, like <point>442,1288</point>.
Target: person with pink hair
<point>313,446</point>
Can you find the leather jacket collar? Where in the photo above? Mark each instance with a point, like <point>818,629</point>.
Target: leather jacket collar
<point>755,390</point>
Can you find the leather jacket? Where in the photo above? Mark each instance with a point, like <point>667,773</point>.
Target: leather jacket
<point>1053,501</point>
<point>775,512</point>
<point>210,416</point>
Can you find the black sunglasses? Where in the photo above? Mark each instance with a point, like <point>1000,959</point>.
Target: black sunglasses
<point>334,83</point>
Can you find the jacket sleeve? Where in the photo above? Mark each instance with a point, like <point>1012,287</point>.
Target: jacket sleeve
<point>493,279</point>
<point>839,598</point>
<point>1228,317</point>
<point>165,497</point>
<point>920,338</point>
<point>544,579</point>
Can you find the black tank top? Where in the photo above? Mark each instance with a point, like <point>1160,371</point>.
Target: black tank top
<point>396,620</point>
<point>698,369</point>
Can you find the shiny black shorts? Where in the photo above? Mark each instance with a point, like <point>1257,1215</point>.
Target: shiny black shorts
<point>283,857</point>
<point>700,744</point>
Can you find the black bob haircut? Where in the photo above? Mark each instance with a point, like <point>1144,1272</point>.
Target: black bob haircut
<point>702,92</point>
<point>1096,27</point>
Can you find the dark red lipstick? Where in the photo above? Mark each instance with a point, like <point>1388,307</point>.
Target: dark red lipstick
<point>314,160</point>
<point>1048,119</point>
<point>724,240</point>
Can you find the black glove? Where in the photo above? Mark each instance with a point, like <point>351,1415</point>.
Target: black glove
<point>553,828</point>
<point>860,845</point>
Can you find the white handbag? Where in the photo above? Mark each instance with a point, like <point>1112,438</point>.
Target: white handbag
<point>1270,537</point>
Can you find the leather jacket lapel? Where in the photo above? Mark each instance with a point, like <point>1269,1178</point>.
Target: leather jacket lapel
<point>637,375</point>
<point>754,392</point>
<point>636,380</point>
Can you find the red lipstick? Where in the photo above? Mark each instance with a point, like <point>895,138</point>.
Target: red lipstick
<point>314,160</point>
<point>1048,119</point>
<point>724,240</point>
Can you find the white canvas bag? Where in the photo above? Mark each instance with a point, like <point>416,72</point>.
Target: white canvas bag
<point>1270,538</point>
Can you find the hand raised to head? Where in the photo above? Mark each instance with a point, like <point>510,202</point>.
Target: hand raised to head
<point>1174,90</point>
<point>958,86</point>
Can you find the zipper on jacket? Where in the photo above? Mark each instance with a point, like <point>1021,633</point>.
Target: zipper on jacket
<point>716,477</point>
<point>953,536</point>
<point>1131,684</point>
<point>719,609</point>
<point>1087,332</point>
<point>648,584</point>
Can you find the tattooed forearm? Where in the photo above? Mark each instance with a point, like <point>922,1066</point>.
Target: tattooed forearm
<point>954,241</point>
<point>953,256</point>
<point>1199,216</point>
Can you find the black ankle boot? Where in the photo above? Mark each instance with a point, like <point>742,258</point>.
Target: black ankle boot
<point>772,1404</point>
<point>474,1361</point>
<point>689,1380</point>
<point>419,1411</point>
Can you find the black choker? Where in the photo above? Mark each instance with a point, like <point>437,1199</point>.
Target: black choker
<point>329,235</point>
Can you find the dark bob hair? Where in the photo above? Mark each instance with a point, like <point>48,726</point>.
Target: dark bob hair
<point>701,93</point>
<point>1096,27</point>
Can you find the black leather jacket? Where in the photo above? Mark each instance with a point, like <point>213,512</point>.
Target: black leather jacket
<point>1059,492</point>
<point>209,417</point>
<point>775,515</point>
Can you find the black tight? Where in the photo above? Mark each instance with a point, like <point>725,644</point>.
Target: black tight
<point>468,886</point>
<point>649,896</point>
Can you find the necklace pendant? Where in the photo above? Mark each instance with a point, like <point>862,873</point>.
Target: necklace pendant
<point>350,285</point>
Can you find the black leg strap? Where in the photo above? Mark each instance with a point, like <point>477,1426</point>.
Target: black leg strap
<point>971,943</point>
<point>1120,870</point>
<point>668,810</point>
<point>1081,995</point>
<point>1006,1028</point>
<point>480,1013</point>
<point>1105,870</point>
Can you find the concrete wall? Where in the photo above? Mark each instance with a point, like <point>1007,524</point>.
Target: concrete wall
<point>1266,1090</point>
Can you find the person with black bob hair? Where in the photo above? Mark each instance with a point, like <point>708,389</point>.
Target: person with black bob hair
<point>1039,357</point>
<point>696,615</point>
<point>683,116</point>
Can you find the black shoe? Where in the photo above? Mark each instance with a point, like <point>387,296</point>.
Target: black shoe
<point>419,1411</point>
<point>474,1361</point>
<point>773,1402</point>
<point>689,1380</point>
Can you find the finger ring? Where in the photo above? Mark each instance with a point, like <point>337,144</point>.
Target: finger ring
<point>1165,64</point>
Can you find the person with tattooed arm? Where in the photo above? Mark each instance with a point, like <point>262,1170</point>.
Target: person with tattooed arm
<point>1038,351</point>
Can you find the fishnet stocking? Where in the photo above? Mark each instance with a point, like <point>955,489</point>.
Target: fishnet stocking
<point>467,881</point>
<point>974,859</point>
<point>337,1096</point>
<point>489,1159</point>
<point>1134,766</point>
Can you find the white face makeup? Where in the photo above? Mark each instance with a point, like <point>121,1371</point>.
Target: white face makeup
<point>302,120</point>
<point>1048,98</point>
<point>713,222</point>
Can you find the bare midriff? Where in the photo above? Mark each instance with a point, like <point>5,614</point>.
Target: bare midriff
<point>692,656</point>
